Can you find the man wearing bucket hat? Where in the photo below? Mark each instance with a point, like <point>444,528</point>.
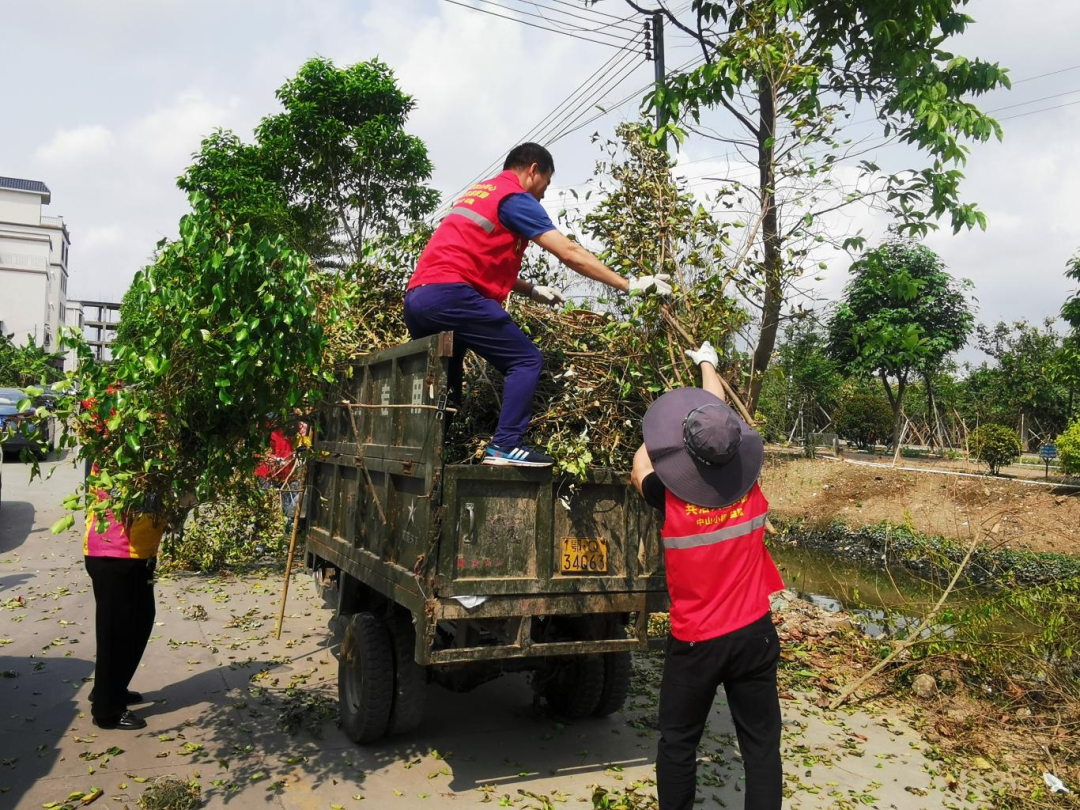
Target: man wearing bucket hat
<point>699,466</point>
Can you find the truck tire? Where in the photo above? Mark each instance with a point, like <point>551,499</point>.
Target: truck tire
<point>410,678</point>
<point>324,582</point>
<point>617,671</point>
<point>575,690</point>
<point>365,678</point>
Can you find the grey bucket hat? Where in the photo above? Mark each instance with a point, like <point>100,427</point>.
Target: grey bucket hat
<point>702,451</point>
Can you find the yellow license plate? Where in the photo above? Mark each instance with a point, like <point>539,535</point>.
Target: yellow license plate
<point>583,555</point>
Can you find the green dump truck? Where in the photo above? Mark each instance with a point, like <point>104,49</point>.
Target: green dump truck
<point>459,573</point>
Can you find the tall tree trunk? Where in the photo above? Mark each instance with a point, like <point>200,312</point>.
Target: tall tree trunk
<point>931,412</point>
<point>898,409</point>
<point>772,259</point>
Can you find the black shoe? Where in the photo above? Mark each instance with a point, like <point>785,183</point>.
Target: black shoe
<point>128,721</point>
<point>515,457</point>
<point>130,699</point>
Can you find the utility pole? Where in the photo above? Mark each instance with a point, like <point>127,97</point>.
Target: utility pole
<point>657,57</point>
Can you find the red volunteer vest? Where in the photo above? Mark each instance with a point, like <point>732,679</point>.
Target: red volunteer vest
<point>719,573</point>
<point>471,246</point>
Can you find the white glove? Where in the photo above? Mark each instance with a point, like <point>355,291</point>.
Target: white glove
<point>550,296</point>
<point>657,283</point>
<point>706,354</point>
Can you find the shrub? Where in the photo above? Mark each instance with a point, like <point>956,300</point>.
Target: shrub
<point>864,418</point>
<point>995,445</point>
<point>1068,447</point>
<point>230,532</point>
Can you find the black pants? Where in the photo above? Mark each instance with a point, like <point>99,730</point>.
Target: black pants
<point>123,621</point>
<point>744,661</point>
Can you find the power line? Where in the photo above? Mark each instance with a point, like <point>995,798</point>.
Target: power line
<point>556,131</point>
<point>541,27</point>
<point>1044,109</point>
<point>591,10</point>
<point>1044,75</point>
<point>619,24</point>
<point>571,100</point>
<point>704,180</point>
<point>621,37</point>
<point>1033,101</point>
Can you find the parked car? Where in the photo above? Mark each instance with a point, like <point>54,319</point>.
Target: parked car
<point>19,427</point>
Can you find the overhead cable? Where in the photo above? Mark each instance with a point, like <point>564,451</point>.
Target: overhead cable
<point>571,101</point>
<point>596,24</point>
<point>543,27</point>
<point>623,35</point>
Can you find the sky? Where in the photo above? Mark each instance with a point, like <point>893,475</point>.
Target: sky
<point>113,97</point>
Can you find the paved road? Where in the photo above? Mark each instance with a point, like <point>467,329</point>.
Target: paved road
<point>226,696</point>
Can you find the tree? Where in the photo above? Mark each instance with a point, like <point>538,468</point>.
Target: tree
<point>648,223</point>
<point>995,445</point>
<point>225,340</point>
<point>246,184</point>
<point>333,170</point>
<point>1025,384</point>
<point>791,74</point>
<point>1067,369</point>
<point>1068,447</point>
<point>863,417</point>
<point>802,381</point>
<point>901,315</point>
<point>27,365</point>
<point>1070,310</point>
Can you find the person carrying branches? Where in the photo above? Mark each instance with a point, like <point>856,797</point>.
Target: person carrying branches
<point>471,265</point>
<point>699,466</point>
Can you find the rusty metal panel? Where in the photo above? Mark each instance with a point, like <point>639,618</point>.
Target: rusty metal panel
<point>409,517</point>
<point>495,517</point>
<point>591,512</point>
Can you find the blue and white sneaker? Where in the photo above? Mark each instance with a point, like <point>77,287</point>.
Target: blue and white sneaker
<point>515,456</point>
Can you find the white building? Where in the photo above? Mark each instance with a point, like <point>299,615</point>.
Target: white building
<point>34,252</point>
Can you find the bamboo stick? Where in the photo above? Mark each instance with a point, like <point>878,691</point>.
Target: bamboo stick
<point>292,549</point>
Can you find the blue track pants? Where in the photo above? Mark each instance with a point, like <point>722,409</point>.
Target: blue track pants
<point>482,325</point>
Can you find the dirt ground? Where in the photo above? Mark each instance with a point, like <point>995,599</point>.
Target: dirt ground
<point>1010,514</point>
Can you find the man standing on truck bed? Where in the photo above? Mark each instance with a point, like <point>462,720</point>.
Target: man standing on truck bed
<point>469,267</point>
<point>699,466</point>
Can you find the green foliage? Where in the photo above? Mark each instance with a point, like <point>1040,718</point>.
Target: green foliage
<point>1068,447</point>
<point>821,58</point>
<point>1015,618</point>
<point>602,369</point>
<point>864,418</point>
<point>1026,380</point>
<point>636,796</point>
<point>226,533</point>
<point>1070,310</point>
<point>29,365</point>
<point>802,379</point>
<point>672,234</point>
<point>901,314</point>
<point>223,339</point>
<point>332,171</point>
<point>171,793</point>
<point>995,445</point>
<point>647,223</point>
<point>790,76</point>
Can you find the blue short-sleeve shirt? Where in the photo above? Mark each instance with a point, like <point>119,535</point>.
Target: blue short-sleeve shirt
<point>523,214</point>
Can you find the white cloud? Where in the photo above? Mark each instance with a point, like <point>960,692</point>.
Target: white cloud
<point>72,145</point>
<point>171,133</point>
<point>100,237</point>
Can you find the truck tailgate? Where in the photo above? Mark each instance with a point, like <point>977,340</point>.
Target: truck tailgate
<point>520,530</point>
